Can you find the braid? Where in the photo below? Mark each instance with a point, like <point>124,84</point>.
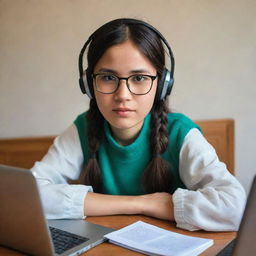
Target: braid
<point>91,174</point>
<point>157,175</point>
<point>159,129</point>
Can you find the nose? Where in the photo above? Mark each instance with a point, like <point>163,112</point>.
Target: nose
<point>122,92</point>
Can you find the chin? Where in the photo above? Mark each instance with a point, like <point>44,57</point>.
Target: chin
<point>121,125</point>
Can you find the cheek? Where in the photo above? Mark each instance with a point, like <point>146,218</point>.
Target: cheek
<point>152,94</point>
<point>146,102</point>
<point>101,101</point>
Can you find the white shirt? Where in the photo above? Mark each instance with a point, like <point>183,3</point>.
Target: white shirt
<point>214,199</point>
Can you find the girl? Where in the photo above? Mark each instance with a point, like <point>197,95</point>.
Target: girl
<point>128,153</point>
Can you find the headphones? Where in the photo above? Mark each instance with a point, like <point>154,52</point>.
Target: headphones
<point>165,82</point>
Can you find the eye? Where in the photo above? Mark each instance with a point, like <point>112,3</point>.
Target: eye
<point>107,78</point>
<point>139,78</point>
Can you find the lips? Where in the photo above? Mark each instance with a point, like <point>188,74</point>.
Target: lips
<point>123,112</point>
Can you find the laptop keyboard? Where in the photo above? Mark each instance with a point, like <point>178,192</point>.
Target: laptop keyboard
<point>64,241</point>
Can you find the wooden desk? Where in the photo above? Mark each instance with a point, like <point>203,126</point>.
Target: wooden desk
<point>117,222</point>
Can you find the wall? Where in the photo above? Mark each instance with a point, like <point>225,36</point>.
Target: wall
<point>213,43</point>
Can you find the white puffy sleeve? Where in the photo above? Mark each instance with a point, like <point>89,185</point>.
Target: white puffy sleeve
<point>214,199</point>
<point>63,162</point>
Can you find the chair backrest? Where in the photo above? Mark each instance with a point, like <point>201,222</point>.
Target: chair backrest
<point>23,152</point>
<point>220,133</point>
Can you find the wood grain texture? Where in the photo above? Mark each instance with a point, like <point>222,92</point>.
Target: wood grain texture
<point>221,239</point>
<point>220,133</point>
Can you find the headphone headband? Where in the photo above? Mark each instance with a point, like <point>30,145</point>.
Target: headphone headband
<point>166,82</point>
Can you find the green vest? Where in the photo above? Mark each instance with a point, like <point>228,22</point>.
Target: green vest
<point>122,166</point>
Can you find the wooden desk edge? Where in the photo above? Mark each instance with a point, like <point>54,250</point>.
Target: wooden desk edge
<point>221,239</point>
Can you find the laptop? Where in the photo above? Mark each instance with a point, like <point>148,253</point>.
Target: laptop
<point>23,225</point>
<point>245,242</point>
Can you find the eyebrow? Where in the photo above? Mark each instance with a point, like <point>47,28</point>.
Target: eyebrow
<point>135,71</point>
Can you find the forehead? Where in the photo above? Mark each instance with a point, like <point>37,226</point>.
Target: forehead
<point>123,58</point>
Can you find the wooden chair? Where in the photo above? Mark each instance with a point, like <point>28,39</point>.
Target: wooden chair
<point>220,133</point>
<point>23,152</point>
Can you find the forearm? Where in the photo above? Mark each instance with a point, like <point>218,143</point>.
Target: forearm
<point>158,205</point>
<point>101,204</point>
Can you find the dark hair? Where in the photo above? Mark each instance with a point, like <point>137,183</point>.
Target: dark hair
<point>157,175</point>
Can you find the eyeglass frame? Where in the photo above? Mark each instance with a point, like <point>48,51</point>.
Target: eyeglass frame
<point>126,79</point>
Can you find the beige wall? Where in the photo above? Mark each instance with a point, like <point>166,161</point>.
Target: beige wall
<point>214,42</point>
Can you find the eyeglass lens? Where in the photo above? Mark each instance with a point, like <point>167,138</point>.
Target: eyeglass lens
<point>137,84</point>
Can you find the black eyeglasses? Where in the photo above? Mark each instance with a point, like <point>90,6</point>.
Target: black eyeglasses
<point>137,84</point>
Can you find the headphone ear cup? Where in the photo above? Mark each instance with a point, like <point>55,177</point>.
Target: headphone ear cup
<point>85,81</point>
<point>164,85</point>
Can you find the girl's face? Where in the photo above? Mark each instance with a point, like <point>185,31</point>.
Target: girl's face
<point>125,111</point>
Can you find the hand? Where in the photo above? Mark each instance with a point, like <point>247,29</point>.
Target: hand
<point>158,205</point>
